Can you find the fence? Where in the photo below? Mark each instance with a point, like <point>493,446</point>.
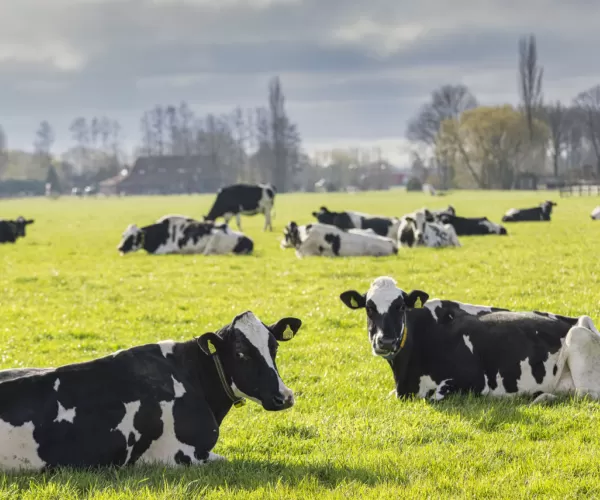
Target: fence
<point>580,190</point>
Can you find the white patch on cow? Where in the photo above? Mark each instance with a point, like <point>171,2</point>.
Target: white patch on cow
<point>126,426</point>
<point>438,396</point>
<point>213,457</point>
<point>65,415</point>
<point>583,355</point>
<point>473,310</point>
<point>595,215</point>
<point>56,384</point>
<point>258,335</point>
<point>511,211</point>
<point>164,449</point>
<point>166,347</point>
<point>426,385</point>
<point>240,394</point>
<point>499,390</point>
<point>222,243</point>
<point>18,448</point>
<point>492,227</point>
<point>178,387</point>
<point>486,386</point>
<point>468,343</point>
<point>356,218</point>
<point>383,292</point>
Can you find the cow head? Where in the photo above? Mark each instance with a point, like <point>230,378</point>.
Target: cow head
<point>291,236</point>
<point>324,216</point>
<point>386,307</point>
<point>132,240</point>
<point>412,228</point>
<point>19,226</point>
<point>247,348</point>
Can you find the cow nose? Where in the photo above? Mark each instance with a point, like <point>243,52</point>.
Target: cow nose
<point>387,344</point>
<point>278,401</point>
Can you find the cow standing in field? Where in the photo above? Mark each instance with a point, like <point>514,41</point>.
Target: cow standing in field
<point>416,230</point>
<point>595,215</point>
<point>159,403</point>
<point>541,213</point>
<point>383,226</point>
<point>11,230</point>
<point>244,199</point>
<point>176,235</point>
<point>472,226</point>
<point>438,347</point>
<point>331,241</point>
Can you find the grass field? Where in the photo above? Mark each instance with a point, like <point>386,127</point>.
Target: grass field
<point>66,295</point>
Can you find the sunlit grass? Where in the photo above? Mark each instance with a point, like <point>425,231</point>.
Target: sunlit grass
<point>66,295</point>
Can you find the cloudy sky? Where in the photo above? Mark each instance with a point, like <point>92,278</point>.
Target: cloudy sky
<point>354,71</point>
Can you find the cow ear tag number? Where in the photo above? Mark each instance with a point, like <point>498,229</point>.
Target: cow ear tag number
<point>288,334</point>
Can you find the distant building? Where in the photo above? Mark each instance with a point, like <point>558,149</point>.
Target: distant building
<point>166,175</point>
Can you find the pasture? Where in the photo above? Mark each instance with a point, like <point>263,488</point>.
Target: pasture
<point>66,295</point>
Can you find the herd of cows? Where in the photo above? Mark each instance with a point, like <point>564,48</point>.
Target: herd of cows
<point>164,402</point>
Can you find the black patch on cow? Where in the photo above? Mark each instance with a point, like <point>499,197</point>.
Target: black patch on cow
<point>554,370</point>
<point>155,235</point>
<point>244,246</point>
<point>194,232</point>
<point>182,459</point>
<point>380,225</point>
<point>407,236</point>
<point>469,226</point>
<point>334,241</point>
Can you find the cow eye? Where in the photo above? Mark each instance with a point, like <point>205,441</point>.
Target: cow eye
<point>241,355</point>
<point>370,310</point>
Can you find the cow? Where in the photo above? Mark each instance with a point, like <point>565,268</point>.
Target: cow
<point>179,236</point>
<point>244,199</point>
<point>159,403</point>
<point>541,213</point>
<point>438,347</point>
<point>595,215</point>
<point>415,230</point>
<point>11,230</point>
<point>472,226</point>
<point>434,215</point>
<point>331,241</point>
<point>383,226</point>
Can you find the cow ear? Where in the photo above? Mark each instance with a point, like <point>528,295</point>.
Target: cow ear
<point>210,343</point>
<point>353,299</point>
<point>285,328</point>
<point>30,221</point>
<point>416,299</point>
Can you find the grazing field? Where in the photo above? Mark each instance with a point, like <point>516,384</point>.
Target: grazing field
<point>66,295</point>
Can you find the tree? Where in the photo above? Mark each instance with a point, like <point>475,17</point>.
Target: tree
<point>186,121</point>
<point>556,119</point>
<point>147,135</point>
<point>80,134</point>
<point>44,138</point>
<point>487,145</point>
<point>589,104</point>
<point>530,80</point>
<point>3,152</point>
<point>158,129</point>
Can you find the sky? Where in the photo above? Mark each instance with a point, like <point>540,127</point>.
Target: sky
<point>353,71</point>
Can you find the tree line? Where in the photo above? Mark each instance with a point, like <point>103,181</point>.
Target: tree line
<point>458,142</point>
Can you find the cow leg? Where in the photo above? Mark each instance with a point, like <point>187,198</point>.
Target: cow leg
<point>583,357</point>
<point>268,221</point>
<point>238,220</point>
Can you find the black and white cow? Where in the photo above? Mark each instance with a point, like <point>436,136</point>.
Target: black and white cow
<point>472,226</point>
<point>541,213</point>
<point>156,403</point>
<point>434,215</point>
<point>244,199</point>
<point>416,230</point>
<point>11,230</point>
<point>595,215</point>
<point>177,235</point>
<point>437,347</point>
<point>331,241</point>
<point>383,226</point>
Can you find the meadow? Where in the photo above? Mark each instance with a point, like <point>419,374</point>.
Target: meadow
<point>66,295</point>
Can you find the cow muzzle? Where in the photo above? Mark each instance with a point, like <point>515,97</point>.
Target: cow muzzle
<point>383,346</point>
<point>281,401</point>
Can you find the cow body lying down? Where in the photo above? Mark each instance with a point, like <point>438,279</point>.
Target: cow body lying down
<point>330,241</point>
<point>156,403</point>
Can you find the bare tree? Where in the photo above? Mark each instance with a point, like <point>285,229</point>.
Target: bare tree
<point>530,80</point>
<point>147,148</point>
<point>174,130</point>
<point>186,122</point>
<point>80,134</point>
<point>3,152</point>
<point>556,118</point>
<point>589,103</point>
<point>44,138</point>
<point>158,128</point>
<point>95,126</point>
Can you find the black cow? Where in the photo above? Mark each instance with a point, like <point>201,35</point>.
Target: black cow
<point>439,347</point>
<point>11,230</point>
<point>382,226</point>
<point>156,403</point>
<point>244,199</point>
<point>472,226</point>
<point>177,234</point>
<point>541,213</point>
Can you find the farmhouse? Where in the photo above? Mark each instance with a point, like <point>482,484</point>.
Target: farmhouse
<point>170,175</point>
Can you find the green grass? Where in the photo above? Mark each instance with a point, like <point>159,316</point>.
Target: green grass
<point>66,295</point>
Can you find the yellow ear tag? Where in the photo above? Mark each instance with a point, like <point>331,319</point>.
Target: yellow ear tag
<point>211,347</point>
<point>288,334</point>
<point>418,303</point>
<point>353,302</point>
<point>240,403</point>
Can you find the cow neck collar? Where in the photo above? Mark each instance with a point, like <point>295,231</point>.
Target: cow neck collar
<point>237,401</point>
<point>391,357</point>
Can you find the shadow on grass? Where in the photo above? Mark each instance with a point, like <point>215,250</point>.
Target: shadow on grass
<point>242,474</point>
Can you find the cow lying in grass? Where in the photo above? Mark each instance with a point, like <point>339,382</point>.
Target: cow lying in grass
<point>438,347</point>
<point>156,403</point>
<point>331,241</point>
<point>416,230</point>
<point>11,230</point>
<point>595,215</point>
<point>179,235</point>
<point>472,226</point>
<point>541,213</point>
<point>383,226</point>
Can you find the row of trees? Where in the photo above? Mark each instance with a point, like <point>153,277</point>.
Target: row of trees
<point>459,142</point>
